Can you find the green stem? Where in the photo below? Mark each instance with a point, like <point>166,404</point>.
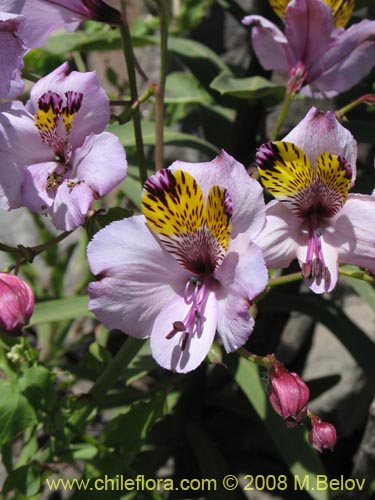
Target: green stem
<point>127,114</point>
<point>29,253</point>
<point>285,105</point>
<point>130,65</point>
<point>359,275</point>
<point>282,280</point>
<point>159,94</point>
<point>265,361</point>
<point>365,99</point>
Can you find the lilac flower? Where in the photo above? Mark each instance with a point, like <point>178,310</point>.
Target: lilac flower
<point>187,267</point>
<point>44,16</point>
<point>16,304</point>
<point>55,156</point>
<point>12,51</point>
<point>313,53</point>
<point>314,218</point>
<point>288,394</point>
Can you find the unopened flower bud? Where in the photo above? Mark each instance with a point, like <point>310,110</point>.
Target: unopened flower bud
<point>16,304</point>
<point>322,435</point>
<point>288,394</point>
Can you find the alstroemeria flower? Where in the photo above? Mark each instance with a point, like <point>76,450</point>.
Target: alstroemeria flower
<point>313,217</point>
<point>55,156</point>
<point>44,16</point>
<point>12,51</point>
<point>187,267</point>
<point>317,56</point>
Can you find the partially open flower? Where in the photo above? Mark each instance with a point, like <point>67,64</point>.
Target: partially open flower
<point>322,435</point>
<point>288,394</point>
<point>16,304</point>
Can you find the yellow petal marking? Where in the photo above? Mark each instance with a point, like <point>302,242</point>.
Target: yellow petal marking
<point>341,10</point>
<point>196,233</point>
<point>286,171</point>
<point>333,173</point>
<point>45,120</point>
<point>218,216</point>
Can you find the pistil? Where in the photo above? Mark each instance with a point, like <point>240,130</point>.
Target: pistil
<point>315,266</point>
<point>195,295</point>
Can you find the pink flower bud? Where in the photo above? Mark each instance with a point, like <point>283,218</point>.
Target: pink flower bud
<point>322,435</point>
<point>16,304</point>
<point>288,394</point>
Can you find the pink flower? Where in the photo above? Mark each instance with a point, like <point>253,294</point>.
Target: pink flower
<point>288,394</point>
<point>12,51</point>
<point>187,267</point>
<point>56,157</point>
<point>324,59</point>
<point>313,217</point>
<point>322,435</point>
<point>44,16</point>
<point>16,304</point>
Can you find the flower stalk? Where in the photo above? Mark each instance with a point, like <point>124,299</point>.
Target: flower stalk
<point>130,66</point>
<point>364,99</point>
<point>159,91</point>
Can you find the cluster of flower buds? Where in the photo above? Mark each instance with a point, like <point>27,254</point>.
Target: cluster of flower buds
<point>16,304</point>
<point>289,395</point>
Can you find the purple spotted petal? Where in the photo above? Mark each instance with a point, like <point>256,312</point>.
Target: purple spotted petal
<point>321,132</point>
<point>94,113</point>
<point>246,193</point>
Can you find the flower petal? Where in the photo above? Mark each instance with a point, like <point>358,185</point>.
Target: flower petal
<point>136,276</point>
<point>242,276</point>
<point>348,59</point>
<point>246,193</point>
<point>270,45</point>
<point>279,239</point>
<point>196,233</point>
<point>168,352</point>
<point>308,28</point>
<point>352,231</point>
<point>100,162</point>
<point>20,145</point>
<point>71,205</point>
<point>12,51</point>
<point>93,114</point>
<point>34,194</point>
<point>321,132</point>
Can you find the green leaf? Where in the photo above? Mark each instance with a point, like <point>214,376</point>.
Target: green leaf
<point>254,87</point>
<point>359,345</point>
<point>126,135</point>
<point>105,39</point>
<point>292,444</point>
<point>190,49</point>
<point>27,479</point>
<point>129,431</point>
<point>60,310</point>
<point>363,289</point>
<point>183,88</point>
<point>38,386</point>
<point>16,413</point>
<point>211,462</point>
